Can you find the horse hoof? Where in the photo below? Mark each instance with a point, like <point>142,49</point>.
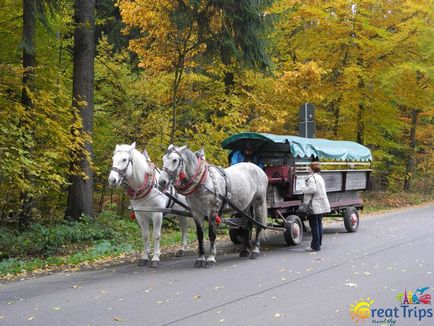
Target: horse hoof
<point>179,253</point>
<point>199,263</point>
<point>143,262</point>
<point>254,255</point>
<point>154,264</point>
<point>244,253</point>
<point>210,264</point>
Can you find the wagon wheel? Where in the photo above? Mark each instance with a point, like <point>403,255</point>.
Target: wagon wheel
<point>293,230</point>
<point>351,219</point>
<point>237,235</point>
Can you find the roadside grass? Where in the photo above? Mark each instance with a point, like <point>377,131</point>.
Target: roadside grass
<point>380,201</point>
<point>73,243</point>
<point>89,241</point>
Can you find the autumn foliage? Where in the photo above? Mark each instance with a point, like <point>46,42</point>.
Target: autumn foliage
<point>198,71</point>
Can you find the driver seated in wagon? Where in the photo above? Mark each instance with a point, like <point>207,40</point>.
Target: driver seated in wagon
<point>248,155</point>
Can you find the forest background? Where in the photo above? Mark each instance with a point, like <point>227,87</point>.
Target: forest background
<point>79,77</point>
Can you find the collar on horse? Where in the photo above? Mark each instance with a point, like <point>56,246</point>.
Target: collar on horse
<point>145,189</point>
<point>195,182</point>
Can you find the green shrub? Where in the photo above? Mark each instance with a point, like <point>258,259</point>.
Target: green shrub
<point>41,241</point>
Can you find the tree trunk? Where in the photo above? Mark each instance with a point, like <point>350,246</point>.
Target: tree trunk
<point>360,124</point>
<point>29,63</point>
<point>410,160</point>
<point>228,75</point>
<point>29,57</point>
<point>81,186</point>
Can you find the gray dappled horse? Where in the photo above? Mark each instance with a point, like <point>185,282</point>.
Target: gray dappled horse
<point>138,175</point>
<point>201,185</point>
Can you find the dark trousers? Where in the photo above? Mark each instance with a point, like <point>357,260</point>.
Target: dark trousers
<point>315,223</point>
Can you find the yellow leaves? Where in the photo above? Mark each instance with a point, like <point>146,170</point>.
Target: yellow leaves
<point>161,42</point>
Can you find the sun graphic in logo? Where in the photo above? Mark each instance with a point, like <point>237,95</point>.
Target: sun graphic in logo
<point>361,310</point>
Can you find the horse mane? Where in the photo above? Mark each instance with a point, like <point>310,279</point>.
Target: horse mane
<point>136,155</point>
<point>190,158</point>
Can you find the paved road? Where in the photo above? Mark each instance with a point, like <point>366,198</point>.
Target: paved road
<point>286,286</point>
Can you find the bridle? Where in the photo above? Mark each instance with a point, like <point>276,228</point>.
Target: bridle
<point>196,181</point>
<point>174,173</point>
<point>123,172</point>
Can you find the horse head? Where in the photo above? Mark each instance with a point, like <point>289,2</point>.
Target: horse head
<point>122,165</point>
<point>173,165</point>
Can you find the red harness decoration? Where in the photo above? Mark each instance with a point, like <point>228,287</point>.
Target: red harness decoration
<point>195,182</point>
<point>146,187</point>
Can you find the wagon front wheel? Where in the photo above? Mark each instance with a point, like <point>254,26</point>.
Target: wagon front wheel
<point>351,219</point>
<point>237,235</point>
<point>293,230</point>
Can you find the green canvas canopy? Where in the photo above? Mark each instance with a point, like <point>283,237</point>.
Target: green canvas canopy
<point>303,147</point>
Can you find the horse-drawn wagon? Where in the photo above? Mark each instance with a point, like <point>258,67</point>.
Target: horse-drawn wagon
<point>346,167</point>
<point>260,199</point>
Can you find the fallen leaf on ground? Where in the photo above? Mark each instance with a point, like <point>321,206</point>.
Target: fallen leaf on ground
<point>277,315</point>
<point>197,297</point>
<point>351,284</point>
<point>31,318</point>
<point>56,308</point>
<point>117,319</point>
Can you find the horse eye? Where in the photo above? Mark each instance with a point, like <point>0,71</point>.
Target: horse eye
<point>124,160</point>
<point>174,160</point>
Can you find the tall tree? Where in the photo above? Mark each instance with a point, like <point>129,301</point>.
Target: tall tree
<point>29,65</point>
<point>81,180</point>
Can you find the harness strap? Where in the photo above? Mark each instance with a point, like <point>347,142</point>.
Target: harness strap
<point>195,182</point>
<point>145,189</point>
<point>177,201</point>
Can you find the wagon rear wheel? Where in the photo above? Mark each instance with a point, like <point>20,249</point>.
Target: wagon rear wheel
<point>293,230</point>
<point>351,219</point>
<point>237,235</point>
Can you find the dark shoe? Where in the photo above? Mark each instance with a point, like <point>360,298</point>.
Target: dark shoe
<point>309,249</point>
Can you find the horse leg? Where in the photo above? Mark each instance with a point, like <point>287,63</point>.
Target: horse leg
<point>212,230</point>
<point>255,252</point>
<point>245,251</point>
<point>200,261</point>
<point>144,227</point>
<point>261,217</point>
<point>157,220</point>
<point>183,224</point>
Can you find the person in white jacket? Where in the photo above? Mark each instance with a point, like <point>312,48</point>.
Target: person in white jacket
<point>315,189</point>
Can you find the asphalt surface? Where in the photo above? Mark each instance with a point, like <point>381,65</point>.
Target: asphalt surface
<point>390,253</point>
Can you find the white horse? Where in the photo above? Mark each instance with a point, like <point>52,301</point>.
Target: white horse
<point>202,185</point>
<point>138,175</point>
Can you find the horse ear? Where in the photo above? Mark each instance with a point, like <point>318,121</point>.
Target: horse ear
<point>117,148</point>
<point>200,153</point>
<point>182,148</point>
<point>145,153</point>
<point>132,147</point>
